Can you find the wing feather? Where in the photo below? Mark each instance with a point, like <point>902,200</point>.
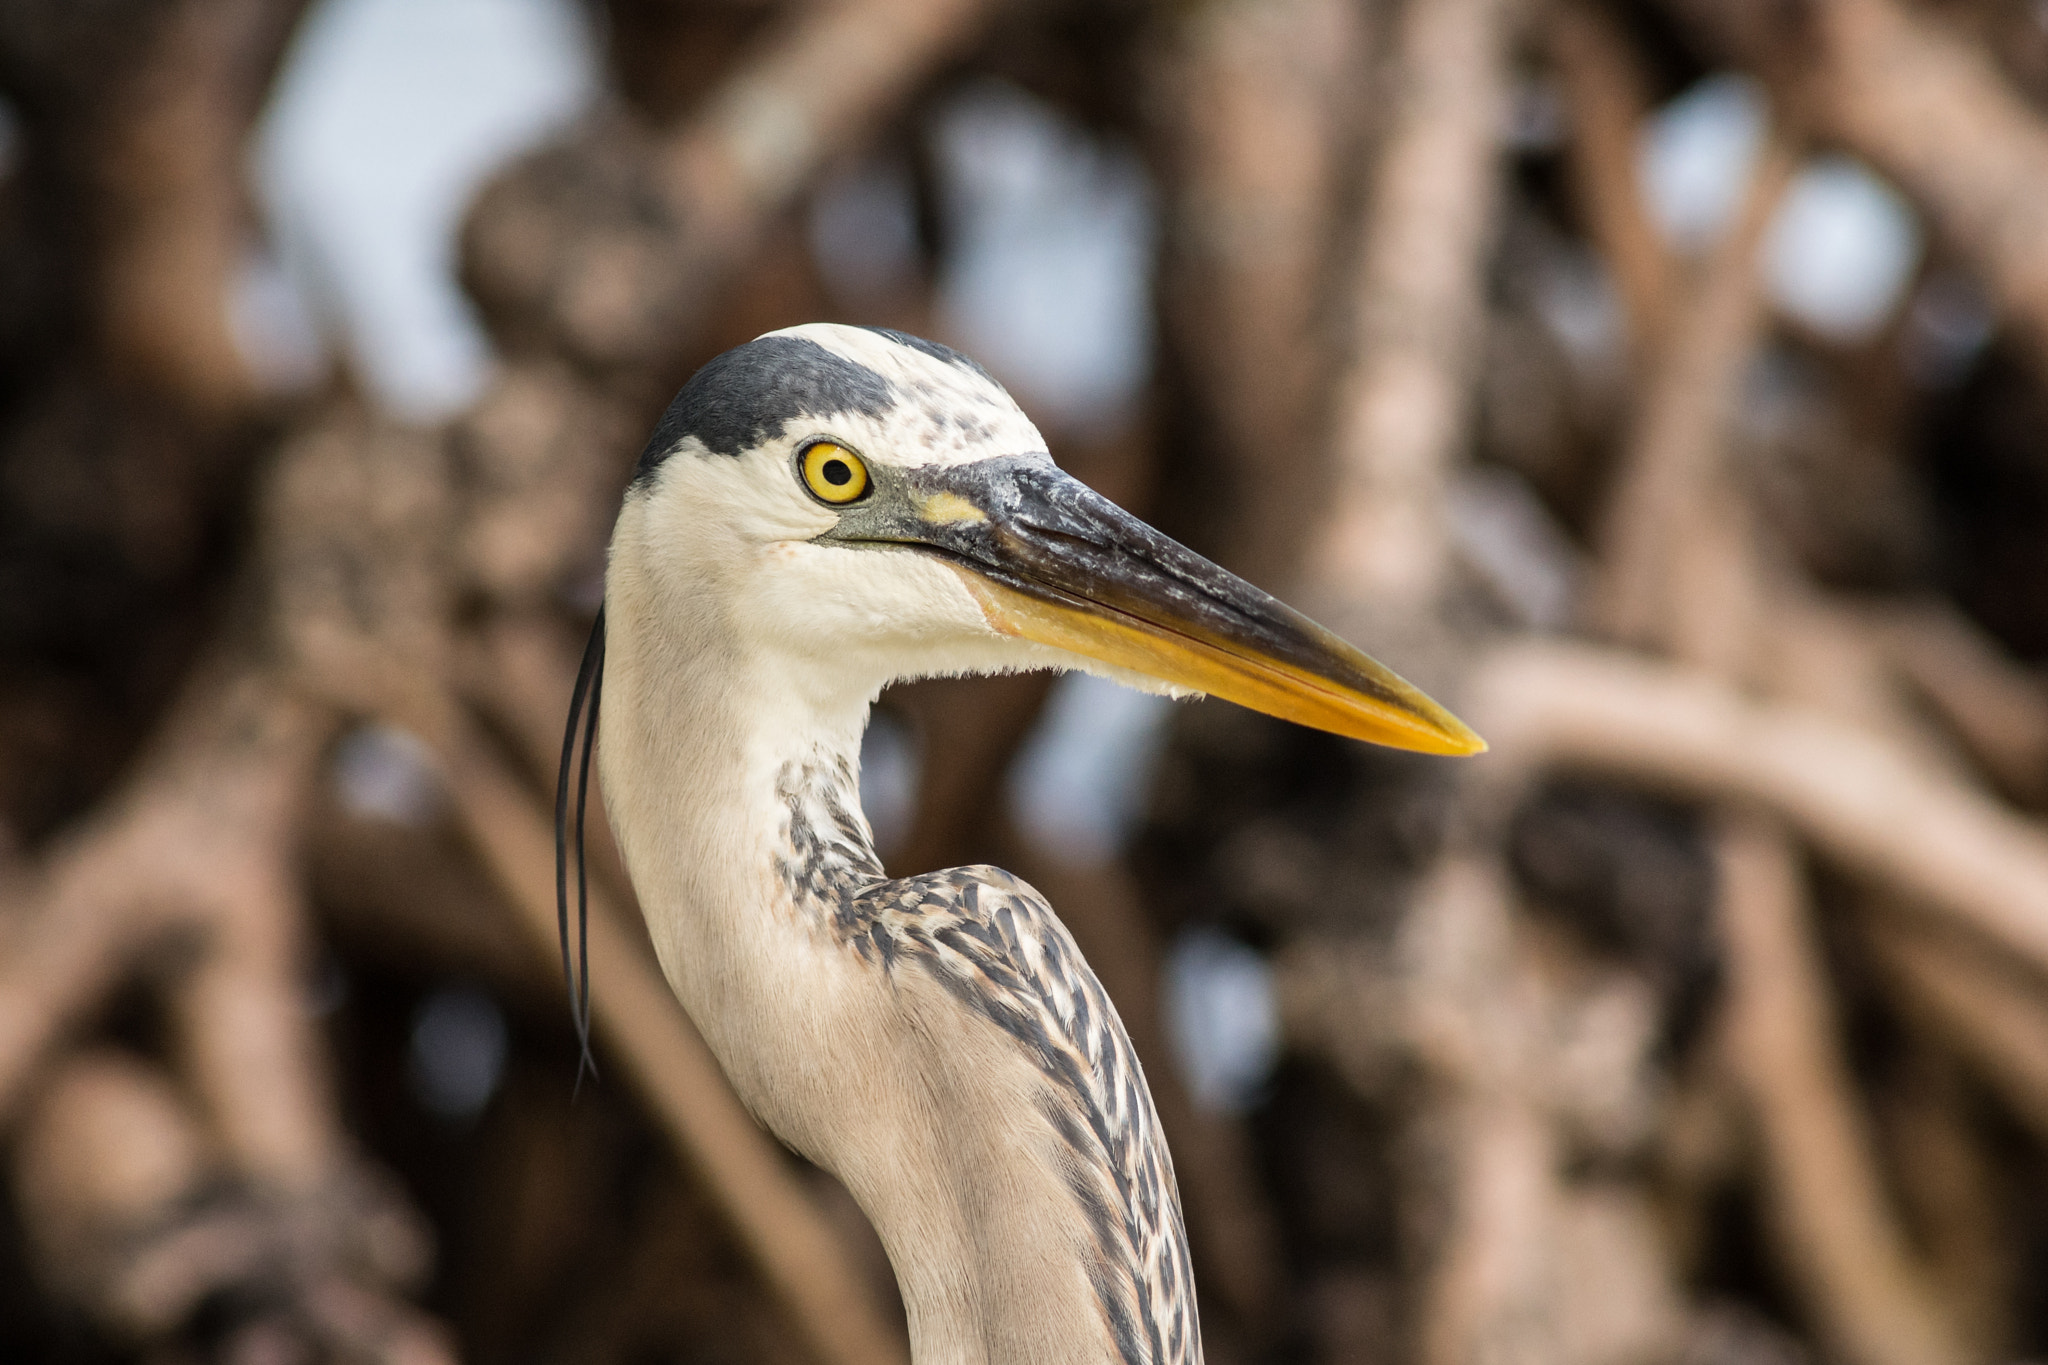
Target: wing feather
<point>996,945</point>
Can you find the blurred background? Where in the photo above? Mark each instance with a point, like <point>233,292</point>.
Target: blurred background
<point>1662,383</point>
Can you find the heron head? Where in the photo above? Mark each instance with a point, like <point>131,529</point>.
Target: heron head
<point>874,506</point>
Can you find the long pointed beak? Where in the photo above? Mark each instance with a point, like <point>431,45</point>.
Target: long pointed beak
<point>1051,560</point>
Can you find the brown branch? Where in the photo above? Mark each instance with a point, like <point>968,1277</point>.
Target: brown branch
<point>201,839</point>
<point>108,1153</point>
<point>1489,1282</point>
<point>189,872</point>
<point>1925,106</point>
<point>251,1051</point>
<point>1860,797</point>
<point>142,116</point>
<point>1683,568</point>
<point>125,1204</point>
<point>1817,651</point>
<point>1469,1017</point>
<point>613,246</point>
<point>1522,1246</point>
<point>1604,91</point>
<point>1997,707</point>
<point>539,461</point>
<point>1998,1023</point>
<point>1946,1166</point>
<point>1846,1252</point>
<point>1686,569</point>
<point>1674,446</point>
<point>1256,101</point>
<point>175,214</point>
<point>1416,308</point>
<point>519,671</point>
<point>400,895</point>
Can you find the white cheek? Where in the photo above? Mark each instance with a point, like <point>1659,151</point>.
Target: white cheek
<point>860,600</point>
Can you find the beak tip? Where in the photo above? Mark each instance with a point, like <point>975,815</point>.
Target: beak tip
<point>1467,742</point>
<point>1451,738</point>
<point>1424,725</point>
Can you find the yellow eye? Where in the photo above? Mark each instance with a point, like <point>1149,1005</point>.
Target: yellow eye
<point>834,473</point>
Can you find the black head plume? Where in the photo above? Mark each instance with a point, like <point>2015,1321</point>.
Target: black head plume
<point>583,702</point>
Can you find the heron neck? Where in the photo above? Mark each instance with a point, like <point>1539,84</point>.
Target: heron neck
<point>701,738</point>
<point>730,777</point>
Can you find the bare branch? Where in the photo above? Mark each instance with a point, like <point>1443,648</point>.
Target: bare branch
<point>1845,1248</point>
<point>1417,307</point>
<point>1258,100</point>
<point>1998,707</point>
<point>1997,1023</point>
<point>1674,447</point>
<point>614,245</point>
<point>202,836</point>
<point>1521,1243</point>
<point>1605,93</point>
<point>1901,88</point>
<point>1862,799</point>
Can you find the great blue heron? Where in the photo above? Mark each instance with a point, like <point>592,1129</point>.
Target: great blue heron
<point>820,512</point>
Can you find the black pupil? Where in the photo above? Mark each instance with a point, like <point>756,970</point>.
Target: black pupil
<point>836,472</point>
